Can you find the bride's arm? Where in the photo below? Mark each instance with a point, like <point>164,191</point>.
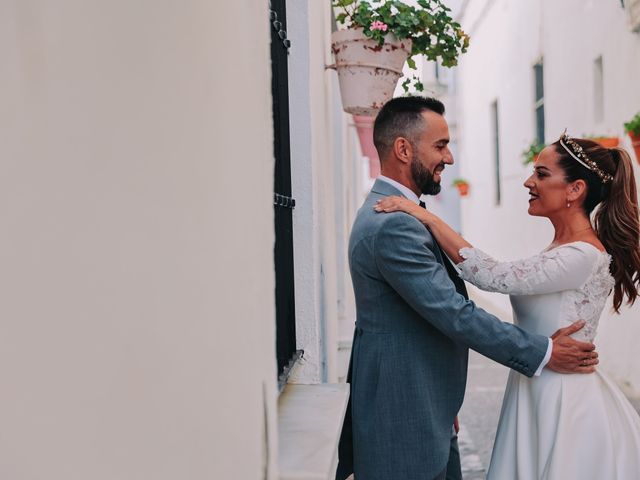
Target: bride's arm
<point>450,241</point>
<point>564,268</point>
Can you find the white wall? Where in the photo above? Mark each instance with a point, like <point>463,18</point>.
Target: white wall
<point>304,174</point>
<point>137,312</point>
<point>324,175</point>
<point>507,39</point>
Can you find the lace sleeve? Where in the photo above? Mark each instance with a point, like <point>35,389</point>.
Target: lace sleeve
<point>563,268</point>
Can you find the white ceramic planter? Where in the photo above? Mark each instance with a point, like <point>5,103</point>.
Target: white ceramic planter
<point>368,72</point>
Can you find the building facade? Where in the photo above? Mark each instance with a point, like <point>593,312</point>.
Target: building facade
<point>533,69</point>
<point>140,323</point>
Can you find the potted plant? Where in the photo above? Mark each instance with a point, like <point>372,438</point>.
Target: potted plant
<point>632,127</point>
<point>606,142</point>
<point>633,10</point>
<point>530,155</point>
<point>379,37</point>
<point>462,185</point>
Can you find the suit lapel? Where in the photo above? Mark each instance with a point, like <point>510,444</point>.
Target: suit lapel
<point>461,288</point>
<point>453,273</point>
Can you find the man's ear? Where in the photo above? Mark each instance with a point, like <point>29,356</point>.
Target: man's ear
<point>403,150</point>
<point>576,190</point>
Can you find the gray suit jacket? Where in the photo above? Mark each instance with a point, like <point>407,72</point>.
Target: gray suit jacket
<point>408,364</point>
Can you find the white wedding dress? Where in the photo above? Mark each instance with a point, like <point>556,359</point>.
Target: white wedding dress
<point>554,426</point>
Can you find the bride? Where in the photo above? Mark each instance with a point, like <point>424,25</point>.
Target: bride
<point>559,426</point>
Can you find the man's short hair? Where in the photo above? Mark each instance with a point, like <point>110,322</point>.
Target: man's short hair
<point>402,117</point>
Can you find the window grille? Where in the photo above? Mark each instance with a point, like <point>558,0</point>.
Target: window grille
<point>283,202</point>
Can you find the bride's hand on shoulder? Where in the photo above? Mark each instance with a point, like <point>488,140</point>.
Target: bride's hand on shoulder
<point>396,203</point>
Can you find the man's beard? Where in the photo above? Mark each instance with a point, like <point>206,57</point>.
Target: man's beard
<point>424,178</point>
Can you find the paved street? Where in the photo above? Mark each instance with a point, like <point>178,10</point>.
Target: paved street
<point>479,414</point>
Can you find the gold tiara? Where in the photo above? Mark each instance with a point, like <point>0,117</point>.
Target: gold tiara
<point>578,154</point>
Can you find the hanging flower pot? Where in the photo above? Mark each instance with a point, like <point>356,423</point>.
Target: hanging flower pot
<point>364,127</point>
<point>635,142</point>
<point>379,36</point>
<point>462,185</point>
<point>368,72</point>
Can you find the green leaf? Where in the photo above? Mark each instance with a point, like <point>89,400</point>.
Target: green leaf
<point>633,125</point>
<point>427,23</point>
<point>411,63</point>
<point>532,151</point>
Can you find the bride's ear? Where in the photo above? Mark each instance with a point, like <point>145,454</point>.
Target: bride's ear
<point>576,190</point>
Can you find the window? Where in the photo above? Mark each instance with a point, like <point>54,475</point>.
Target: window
<point>496,149</point>
<point>598,90</point>
<point>539,101</point>
<point>283,201</point>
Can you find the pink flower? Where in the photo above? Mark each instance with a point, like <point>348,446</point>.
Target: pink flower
<point>378,25</point>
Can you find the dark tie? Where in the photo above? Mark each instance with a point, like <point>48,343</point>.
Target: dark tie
<point>451,270</point>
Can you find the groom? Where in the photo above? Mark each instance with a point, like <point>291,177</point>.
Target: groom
<point>414,322</point>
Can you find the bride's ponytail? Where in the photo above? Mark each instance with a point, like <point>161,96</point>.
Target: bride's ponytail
<point>617,226</point>
<point>616,219</point>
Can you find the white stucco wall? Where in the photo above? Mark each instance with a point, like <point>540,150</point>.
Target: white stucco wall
<point>507,39</point>
<point>324,174</point>
<point>137,313</point>
<point>304,186</point>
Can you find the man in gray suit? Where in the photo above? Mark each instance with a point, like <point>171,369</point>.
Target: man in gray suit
<point>415,324</point>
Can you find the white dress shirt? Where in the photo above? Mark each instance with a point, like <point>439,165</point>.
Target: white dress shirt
<point>407,192</point>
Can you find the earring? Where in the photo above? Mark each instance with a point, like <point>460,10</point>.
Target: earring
<point>568,204</point>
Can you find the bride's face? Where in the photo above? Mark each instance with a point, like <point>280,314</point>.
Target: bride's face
<point>547,185</point>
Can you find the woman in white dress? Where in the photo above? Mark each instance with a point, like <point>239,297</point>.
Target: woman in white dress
<point>554,426</point>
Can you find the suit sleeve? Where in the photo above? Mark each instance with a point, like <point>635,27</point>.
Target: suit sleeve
<point>563,268</point>
<point>405,259</point>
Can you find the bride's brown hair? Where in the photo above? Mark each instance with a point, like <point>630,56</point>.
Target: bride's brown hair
<point>616,220</point>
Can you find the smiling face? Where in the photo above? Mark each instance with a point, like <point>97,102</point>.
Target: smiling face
<point>548,189</point>
<point>431,153</point>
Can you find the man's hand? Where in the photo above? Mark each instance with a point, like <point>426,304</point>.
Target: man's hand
<point>569,355</point>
